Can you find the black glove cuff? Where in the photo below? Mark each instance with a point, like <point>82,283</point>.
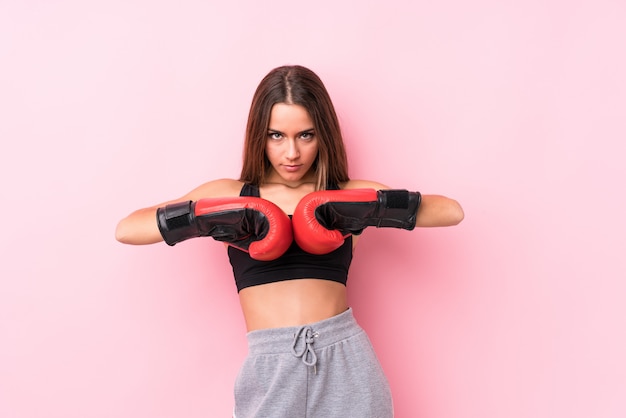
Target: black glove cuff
<point>399,208</point>
<point>176,222</point>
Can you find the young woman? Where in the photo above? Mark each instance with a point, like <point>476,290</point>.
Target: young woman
<point>307,354</point>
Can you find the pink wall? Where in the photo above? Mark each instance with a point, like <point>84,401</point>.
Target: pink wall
<point>514,108</point>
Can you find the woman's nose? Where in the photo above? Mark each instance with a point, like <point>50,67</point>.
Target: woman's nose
<point>292,150</point>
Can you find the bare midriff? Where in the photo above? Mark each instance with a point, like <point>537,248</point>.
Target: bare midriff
<point>292,303</point>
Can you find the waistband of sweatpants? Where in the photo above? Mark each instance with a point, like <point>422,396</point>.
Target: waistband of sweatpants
<point>327,332</point>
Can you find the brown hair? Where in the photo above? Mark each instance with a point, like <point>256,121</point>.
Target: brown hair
<point>301,86</point>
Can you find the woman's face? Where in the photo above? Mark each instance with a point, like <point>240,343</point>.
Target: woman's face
<point>291,145</point>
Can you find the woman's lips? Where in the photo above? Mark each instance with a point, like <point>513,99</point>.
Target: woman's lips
<point>291,168</point>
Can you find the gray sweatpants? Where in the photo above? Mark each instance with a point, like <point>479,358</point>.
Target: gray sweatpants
<point>327,369</point>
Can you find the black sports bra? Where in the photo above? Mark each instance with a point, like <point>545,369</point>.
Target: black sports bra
<point>294,264</point>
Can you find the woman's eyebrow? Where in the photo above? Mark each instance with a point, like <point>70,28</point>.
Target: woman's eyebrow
<point>309,130</point>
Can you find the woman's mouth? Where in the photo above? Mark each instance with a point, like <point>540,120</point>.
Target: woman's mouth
<point>291,168</point>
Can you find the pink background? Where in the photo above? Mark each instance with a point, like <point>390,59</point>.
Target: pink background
<point>514,108</point>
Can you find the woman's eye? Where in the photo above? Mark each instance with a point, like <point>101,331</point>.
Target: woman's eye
<point>274,135</point>
<point>306,135</point>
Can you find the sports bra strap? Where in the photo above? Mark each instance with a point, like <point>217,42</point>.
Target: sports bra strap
<point>249,190</point>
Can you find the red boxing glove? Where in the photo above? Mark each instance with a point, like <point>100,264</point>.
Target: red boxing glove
<point>251,224</point>
<point>323,219</point>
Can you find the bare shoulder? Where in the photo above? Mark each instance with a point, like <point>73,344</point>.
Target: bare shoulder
<point>363,184</point>
<point>215,188</point>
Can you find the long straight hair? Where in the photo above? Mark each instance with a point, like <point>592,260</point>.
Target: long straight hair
<point>300,86</point>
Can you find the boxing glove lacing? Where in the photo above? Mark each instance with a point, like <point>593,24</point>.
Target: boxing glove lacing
<point>306,351</point>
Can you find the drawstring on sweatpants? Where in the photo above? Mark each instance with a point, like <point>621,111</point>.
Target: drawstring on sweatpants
<point>306,352</point>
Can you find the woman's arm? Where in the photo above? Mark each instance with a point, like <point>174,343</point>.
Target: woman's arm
<point>435,210</point>
<point>140,227</point>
